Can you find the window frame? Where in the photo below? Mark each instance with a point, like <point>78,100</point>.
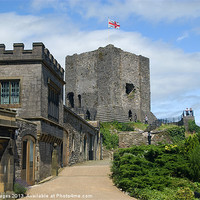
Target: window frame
<point>10,81</point>
<point>53,100</point>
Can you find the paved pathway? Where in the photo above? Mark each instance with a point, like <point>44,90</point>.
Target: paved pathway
<point>89,180</point>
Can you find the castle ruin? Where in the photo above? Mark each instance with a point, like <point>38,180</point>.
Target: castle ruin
<point>109,84</point>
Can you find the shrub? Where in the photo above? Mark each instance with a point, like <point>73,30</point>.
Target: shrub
<point>123,126</point>
<point>20,187</point>
<point>192,127</point>
<point>110,140</point>
<point>156,172</point>
<point>194,157</point>
<point>176,133</point>
<point>184,194</point>
<point>190,143</point>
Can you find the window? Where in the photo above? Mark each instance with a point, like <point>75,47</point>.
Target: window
<point>73,143</point>
<point>10,91</point>
<point>53,104</point>
<point>129,88</point>
<point>130,115</point>
<point>70,97</point>
<point>81,144</point>
<point>88,115</point>
<point>79,101</point>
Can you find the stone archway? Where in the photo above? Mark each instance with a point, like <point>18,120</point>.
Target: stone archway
<point>130,115</point>
<point>28,159</point>
<point>88,116</point>
<point>70,97</point>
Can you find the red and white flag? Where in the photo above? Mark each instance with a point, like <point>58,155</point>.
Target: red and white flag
<point>113,24</point>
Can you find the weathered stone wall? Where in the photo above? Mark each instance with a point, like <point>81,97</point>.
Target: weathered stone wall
<point>34,68</point>
<point>7,167</point>
<point>78,129</point>
<point>7,136</point>
<point>24,128</point>
<point>37,71</point>
<point>30,87</point>
<point>128,139</point>
<point>101,78</point>
<point>47,76</point>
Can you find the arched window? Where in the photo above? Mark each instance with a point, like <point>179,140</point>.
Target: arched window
<point>88,117</point>
<point>130,115</point>
<point>73,143</point>
<point>70,97</point>
<point>81,144</point>
<point>85,148</point>
<point>79,101</point>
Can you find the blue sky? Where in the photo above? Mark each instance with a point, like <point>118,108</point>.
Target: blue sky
<point>165,31</point>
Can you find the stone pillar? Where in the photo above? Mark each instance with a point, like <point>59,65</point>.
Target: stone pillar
<point>54,164</point>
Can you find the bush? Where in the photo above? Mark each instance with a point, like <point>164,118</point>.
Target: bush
<point>192,127</point>
<point>110,140</point>
<point>184,194</point>
<point>194,157</point>
<point>157,172</point>
<point>128,126</point>
<point>20,187</point>
<point>109,129</point>
<point>190,144</point>
<point>176,133</point>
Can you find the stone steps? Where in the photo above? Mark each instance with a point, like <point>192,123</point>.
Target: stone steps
<point>106,114</point>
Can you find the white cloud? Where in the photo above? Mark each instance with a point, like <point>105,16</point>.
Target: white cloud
<point>149,9</point>
<point>174,73</point>
<point>38,5</point>
<point>183,36</point>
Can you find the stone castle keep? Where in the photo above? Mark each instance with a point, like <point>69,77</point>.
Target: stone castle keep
<point>109,84</point>
<point>38,133</point>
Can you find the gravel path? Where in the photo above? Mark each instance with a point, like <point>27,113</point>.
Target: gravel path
<point>89,180</point>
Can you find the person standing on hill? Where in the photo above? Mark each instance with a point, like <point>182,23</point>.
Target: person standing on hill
<point>187,112</point>
<point>191,112</point>
<point>146,119</point>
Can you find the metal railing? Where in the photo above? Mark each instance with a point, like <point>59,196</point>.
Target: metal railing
<point>172,120</point>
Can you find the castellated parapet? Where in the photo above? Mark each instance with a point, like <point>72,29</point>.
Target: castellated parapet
<point>38,53</point>
<point>109,84</point>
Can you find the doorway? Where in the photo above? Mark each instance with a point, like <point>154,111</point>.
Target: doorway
<point>85,148</point>
<point>28,160</point>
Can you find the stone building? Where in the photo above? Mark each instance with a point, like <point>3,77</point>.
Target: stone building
<point>84,137</point>
<point>31,83</point>
<point>7,136</point>
<point>109,84</point>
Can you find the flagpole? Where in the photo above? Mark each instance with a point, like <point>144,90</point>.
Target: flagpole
<point>108,29</point>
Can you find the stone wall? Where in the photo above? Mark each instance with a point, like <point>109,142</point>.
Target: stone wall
<point>111,83</point>
<point>83,138</point>
<point>37,72</point>
<point>7,167</point>
<point>45,151</point>
<point>25,128</point>
<point>36,69</point>
<point>128,139</point>
<point>7,136</point>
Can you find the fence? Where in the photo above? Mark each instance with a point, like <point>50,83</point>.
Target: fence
<point>173,120</point>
